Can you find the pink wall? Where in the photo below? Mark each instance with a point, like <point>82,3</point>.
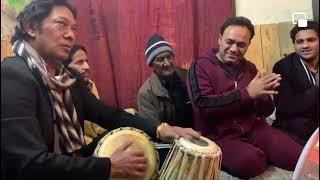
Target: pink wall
<point>115,33</point>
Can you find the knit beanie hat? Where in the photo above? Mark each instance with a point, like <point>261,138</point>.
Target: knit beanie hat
<point>155,46</point>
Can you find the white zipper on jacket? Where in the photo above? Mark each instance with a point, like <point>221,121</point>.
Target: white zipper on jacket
<point>237,124</point>
<point>310,77</point>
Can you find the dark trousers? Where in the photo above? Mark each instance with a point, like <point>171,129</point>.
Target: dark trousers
<point>298,128</point>
<point>249,154</point>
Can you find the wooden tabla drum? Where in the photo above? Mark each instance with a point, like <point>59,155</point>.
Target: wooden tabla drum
<point>189,160</point>
<point>111,141</point>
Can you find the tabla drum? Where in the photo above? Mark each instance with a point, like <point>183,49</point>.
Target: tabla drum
<point>190,160</point>
<point>111,141</point>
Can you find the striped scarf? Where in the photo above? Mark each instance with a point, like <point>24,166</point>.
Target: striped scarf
<point>69,129</point>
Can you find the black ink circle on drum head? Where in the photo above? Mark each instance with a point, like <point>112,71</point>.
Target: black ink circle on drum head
<point>199,142</point>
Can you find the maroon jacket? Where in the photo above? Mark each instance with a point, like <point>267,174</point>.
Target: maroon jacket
<point>221,104</point>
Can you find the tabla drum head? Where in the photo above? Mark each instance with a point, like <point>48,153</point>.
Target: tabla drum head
<point>114,139</point>
<point>192,159</point>
<point>203,145</point>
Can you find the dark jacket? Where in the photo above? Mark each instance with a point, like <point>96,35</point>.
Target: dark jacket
<point>221,103</point>
<point>298,97</point>
<point>27,122</point>
<point>156,102</point>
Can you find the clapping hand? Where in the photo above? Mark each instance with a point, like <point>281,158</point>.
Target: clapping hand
<point>264,84</point>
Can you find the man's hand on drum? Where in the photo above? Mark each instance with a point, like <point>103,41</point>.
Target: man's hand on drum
<point>128,163</point>
<point>169,133</point>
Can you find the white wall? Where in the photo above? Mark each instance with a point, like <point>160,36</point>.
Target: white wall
<point>272,11</point>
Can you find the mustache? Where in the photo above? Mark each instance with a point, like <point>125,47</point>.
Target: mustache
<point>86,72</point>
<point>164,66</point>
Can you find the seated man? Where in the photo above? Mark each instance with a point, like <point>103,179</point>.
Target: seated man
<point>231,99</point>
<point>163,95</point>
<point>78,60</point>
<point>44,104</point>
<point>298,99</point>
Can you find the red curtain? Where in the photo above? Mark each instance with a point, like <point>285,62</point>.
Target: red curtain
<point>115,33</point>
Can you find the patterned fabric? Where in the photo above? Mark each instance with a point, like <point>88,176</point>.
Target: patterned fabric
<point>69,129</point>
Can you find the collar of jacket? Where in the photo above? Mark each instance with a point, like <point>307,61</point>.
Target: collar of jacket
<point>156,86</point>
<point>90,84</point>
<point>158,89</point>
<point>299,69</point>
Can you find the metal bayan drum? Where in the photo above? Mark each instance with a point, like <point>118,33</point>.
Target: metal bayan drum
<point>111,141</point>
<point>190,160</point>
<point>307,167</point>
